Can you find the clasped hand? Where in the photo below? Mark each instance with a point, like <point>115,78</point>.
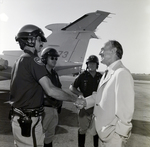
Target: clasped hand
<point>80,102</point>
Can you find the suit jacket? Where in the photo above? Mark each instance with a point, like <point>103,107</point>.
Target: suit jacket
<point>113,103</point>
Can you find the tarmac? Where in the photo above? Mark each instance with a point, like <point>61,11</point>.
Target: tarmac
<point>66,132</point>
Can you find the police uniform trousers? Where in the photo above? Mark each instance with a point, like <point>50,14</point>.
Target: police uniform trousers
<point>21,141</point>
<point>50,121</point>
<point>84,118</point>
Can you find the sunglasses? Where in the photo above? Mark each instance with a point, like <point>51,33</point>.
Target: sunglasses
<point>53,58</point>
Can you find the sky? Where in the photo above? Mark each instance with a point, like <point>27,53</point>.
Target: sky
<point>128,23</point>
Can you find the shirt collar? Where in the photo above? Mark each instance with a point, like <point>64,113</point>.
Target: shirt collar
<point>31,53</point>
<point>112,65</point>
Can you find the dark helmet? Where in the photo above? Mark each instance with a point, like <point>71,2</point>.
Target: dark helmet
<point>30,32</point>
<point>48,51</point>
<point>92,58</point>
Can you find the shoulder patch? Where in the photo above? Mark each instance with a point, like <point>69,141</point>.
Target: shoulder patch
<point>38,61</point>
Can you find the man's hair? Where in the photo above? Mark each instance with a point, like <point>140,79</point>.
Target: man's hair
<point>119,48</point>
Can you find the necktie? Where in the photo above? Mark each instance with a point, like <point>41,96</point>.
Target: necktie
<point>106,71</point>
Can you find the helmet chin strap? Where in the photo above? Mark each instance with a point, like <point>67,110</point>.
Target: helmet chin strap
<point>32,44</point>
<point>35,52</point>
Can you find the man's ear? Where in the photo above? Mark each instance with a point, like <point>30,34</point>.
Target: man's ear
<point>114,50</point>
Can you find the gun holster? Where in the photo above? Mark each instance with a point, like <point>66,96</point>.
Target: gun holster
<point>25,125</point>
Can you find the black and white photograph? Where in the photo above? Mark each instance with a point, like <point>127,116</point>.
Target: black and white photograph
<point>74,73</point>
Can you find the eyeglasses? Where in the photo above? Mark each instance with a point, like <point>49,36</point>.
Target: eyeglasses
<point>54,58</point>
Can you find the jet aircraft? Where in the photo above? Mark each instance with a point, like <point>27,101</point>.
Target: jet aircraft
<point>70,40</point>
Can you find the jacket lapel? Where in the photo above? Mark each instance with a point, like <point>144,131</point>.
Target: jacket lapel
<point>110,73</point>
<point>104,80</point>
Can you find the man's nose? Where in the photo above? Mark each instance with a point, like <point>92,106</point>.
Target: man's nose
<point>100,53</point>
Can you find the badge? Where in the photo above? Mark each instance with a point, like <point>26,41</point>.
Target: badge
<point>38,61</point>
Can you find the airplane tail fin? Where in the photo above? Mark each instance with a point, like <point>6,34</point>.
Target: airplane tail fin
<point>88,22</point>
<point>71,40</point>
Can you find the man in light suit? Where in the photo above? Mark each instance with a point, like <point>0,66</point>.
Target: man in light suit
<point>114,100</point>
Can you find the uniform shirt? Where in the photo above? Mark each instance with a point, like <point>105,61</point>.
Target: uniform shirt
<point>54,78</point>
<point>25,90</point>
<point>49,101</point>
<point>87,83</point>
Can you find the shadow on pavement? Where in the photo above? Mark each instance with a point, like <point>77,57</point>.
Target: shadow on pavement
<point>68,118</point>
<point>61,130</point>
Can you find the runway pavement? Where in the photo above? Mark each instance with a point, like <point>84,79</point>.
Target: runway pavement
<point>66,132</point>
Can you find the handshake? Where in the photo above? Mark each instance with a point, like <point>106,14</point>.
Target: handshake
<point>80,102</point>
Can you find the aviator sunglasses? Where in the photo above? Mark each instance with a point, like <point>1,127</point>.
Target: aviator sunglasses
<point>53,58</point>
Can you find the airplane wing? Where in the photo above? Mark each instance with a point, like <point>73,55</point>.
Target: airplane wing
<point>5,74</point>
<point>4,86</point>
<point>10,56</point>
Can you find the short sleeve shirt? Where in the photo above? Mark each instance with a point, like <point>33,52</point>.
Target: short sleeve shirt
<point>25,90</point>
<point>86,83</point>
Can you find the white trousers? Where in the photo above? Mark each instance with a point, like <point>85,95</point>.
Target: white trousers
<point>21,141</point>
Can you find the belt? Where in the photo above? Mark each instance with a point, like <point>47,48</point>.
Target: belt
<point>28,112</point>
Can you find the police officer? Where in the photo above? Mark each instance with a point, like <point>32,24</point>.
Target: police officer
<point>49,57</point>
<point>85,84</point>
<point>28,83</point>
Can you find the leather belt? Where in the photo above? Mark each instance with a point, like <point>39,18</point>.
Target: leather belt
<point>28,112</point>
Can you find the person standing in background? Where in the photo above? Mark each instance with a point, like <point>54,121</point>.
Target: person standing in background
<point>52,107</point>
<point>87,82</point>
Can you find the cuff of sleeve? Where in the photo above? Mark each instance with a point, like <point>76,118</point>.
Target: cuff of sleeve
<point>123,129</point>
<point>87,105</point>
